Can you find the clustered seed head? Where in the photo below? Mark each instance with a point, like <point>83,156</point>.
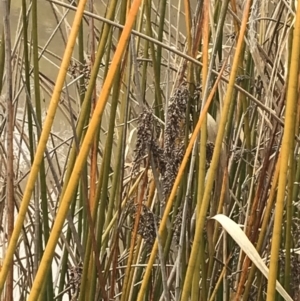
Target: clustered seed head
<point>158,156</point>
<point>296,278</point>
<point>75,274</point>
<point>176,118</point>
<point>177,226</point>
<point>172,166</point>
<point>77,70</point>
<point>167,159</point>
<point>232,278</point>
<point>174,136</point>
<point>147,222</point>
<point>178,220</point>
<point>209,152</point>
<point>295,272</point>
<point>144,136</point>
<point>237,154</point>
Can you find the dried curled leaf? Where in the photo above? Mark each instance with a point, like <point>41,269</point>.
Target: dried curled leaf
<point>242,240</point>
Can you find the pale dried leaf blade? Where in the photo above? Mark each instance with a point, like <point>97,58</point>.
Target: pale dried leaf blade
<point>242,240</point>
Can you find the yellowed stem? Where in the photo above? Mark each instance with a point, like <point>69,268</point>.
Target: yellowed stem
<point>286,151</point>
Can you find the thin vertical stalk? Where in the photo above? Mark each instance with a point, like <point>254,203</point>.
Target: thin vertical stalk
<point>90,202</point>
<point>181,250</point>
<point>106,171</point>
<point>27,84</point>
<point>117,186</point>
<point>2,59</point>
<point>288,229</point>
<point>83,120</point>
<point>188,24</point>
<point>202,160</point>
<point>88,94</point>
<point>85,277</point>
<point>9,141</point>
<point>292,188</point>
<point>155,59</point>
<point>27,80</point>
<point>42,179</point>
<point>81,87</point>
<point>162,14</point>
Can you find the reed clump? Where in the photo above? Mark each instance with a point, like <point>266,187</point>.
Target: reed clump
<point>149,150</point>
